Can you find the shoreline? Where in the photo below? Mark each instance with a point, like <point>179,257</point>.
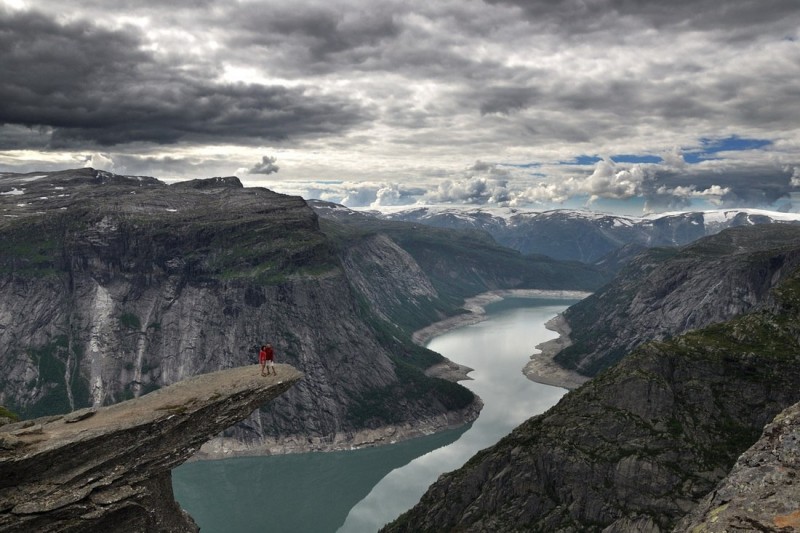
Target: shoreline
<point>476,312</point>
<point>226,448</point>
<point>540,369</point>
<point>543,369</point>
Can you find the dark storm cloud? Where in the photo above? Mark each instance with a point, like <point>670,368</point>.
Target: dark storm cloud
<point>95,86</point>
<point>738,18</point>
<point>266,166</point>
<point>504,100</point>
<point>753,186</point>
<point>673,184</point>
<point>418,42</point>
<point>314,35</point>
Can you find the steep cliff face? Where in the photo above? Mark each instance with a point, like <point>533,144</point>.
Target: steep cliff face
<point>665,292</point>
<point>761,492</point>
<point>385,274</point>
<point>637,447</point>
<point>109,469</point>
<point>113,286</point>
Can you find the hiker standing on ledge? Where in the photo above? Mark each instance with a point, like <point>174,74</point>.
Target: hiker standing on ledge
<point>267,355</point>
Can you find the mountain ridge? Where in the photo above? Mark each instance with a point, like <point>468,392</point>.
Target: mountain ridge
<point>640,445</point>
<point>585,236</point>
<point>665,292</point>
<point>112,286</point>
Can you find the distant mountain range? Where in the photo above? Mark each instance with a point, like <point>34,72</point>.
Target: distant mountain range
<point>584,235</point>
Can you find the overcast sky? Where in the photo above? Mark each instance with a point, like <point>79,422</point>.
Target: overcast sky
<point>613,104</point>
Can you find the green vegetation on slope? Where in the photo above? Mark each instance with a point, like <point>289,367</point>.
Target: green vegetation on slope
<point>640,443</point>
<point>378,406</point>
<point>5,413</point>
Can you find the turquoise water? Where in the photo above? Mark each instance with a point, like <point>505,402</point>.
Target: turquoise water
<point>310,492</point>
<point>359,491</point>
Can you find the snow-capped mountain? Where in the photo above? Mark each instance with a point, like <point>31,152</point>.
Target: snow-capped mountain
<point>584,235</point>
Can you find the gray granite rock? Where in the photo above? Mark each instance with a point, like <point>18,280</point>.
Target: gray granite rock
<point>762,492</point>
<point>111,471</point>
<point>640,445</point>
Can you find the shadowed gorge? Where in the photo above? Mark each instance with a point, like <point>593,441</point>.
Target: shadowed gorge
<point>639,446</point>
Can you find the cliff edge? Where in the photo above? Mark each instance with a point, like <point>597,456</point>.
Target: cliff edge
<point>109,469</point>
<point>761,493</point>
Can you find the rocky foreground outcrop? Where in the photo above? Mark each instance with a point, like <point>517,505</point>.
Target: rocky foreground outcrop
<point>762,492</point>
<point>109,469</point>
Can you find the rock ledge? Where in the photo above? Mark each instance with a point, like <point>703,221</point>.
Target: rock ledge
<point>110,469</point>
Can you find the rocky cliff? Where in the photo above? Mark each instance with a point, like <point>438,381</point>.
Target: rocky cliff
<point>665,292</point>
<point>113,286</point>
<point>109,469</point>
<point>462,263</point>
<point>761,493</point>
<point>637,447</point>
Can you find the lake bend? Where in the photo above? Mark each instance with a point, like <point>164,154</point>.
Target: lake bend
<point>359,491</point>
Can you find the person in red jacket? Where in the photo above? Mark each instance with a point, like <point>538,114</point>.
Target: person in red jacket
<point>267,356</point>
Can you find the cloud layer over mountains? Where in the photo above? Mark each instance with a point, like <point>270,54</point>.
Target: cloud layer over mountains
<point>389,102</point>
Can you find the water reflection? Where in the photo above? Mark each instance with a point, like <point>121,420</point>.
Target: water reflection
<point>497,349</point>
<point>360,491</point>
<point>310,492</point>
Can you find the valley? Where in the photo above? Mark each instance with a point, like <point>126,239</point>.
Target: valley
<point>112,287</point>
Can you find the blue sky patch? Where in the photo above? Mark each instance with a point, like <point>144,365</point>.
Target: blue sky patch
<point>582,160</point>
<point>630,158</point>
<point>734,143</point>
<point>620,158</point>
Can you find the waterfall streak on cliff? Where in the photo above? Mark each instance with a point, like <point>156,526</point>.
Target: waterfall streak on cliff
<point>102,307</point>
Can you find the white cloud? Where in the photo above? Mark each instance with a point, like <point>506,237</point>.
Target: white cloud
<point>674,157</point>
<point>712,194</point>
<point>472,190</point>
<point>389,195</point>
<point>543,193</point>
<point>795,182</point>
<point>482,183</point>
<point>610,181</point>
<point>99,161</point>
